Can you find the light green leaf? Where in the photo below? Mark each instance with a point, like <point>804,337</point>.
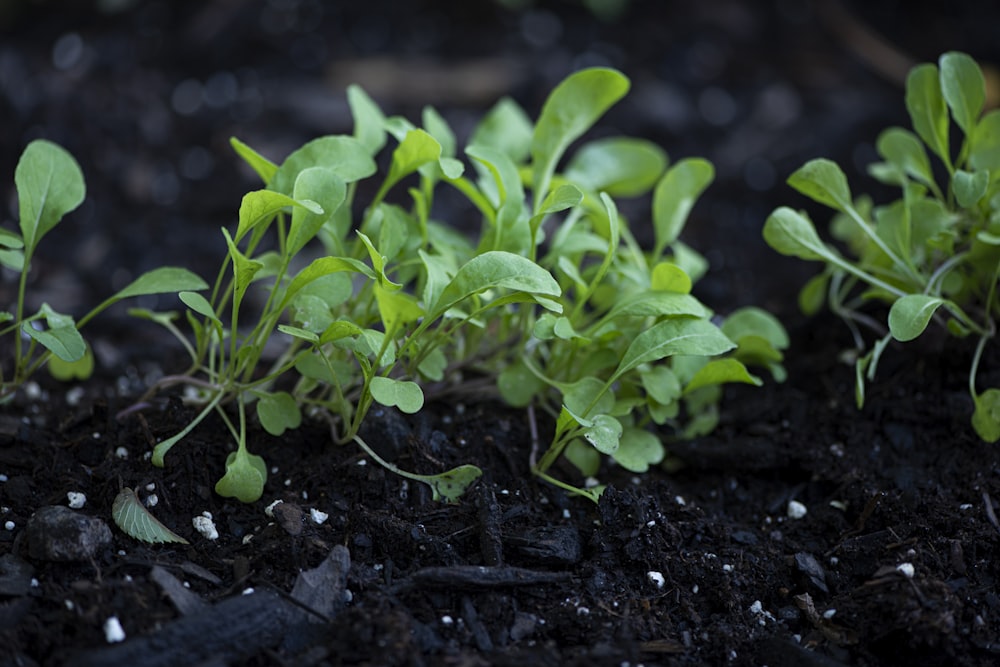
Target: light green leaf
<point>438,127</point>
<point>721,371</point>
<point>503,170</point>
<point>753,321</point>
<point>570,110</point>
<point>369,121</point>
<point>657,304</point>
<point>403,394</point>
<point>346,156</point>
<point>927,109</point>
<point>792,233</point>
<point>49,185</point>
<point>673,337</point>
<point>243,268</point>
<point>668,277</point>
<point>986,417</point>
<point>260,206</point>
<point>904,150</point>
<point>417,149</point>
<point>674,197</point>
<point>65,371</point>
<point>661,384</point>
<point>260,164</point>
<point>910,315</point>
<point>61,337</point>
<point>969,188</point>
<point>963,88</point>
<point>506,128</point>
<point>397,308</point>
<point>518,385</point>
<point>135,520</point>
<point>985,146</point>
<point>451,484</point>
<point>812,296</point>
<point>166,279</point>
<point>604,433</point>
<point>638,450</point>
<point>496,269</point>
<point>321,267</point>
<point>278,412</point>
<point>823,181</point>
<point>584,457</point>
<point>322,186</point>
<point>620,166</point>
<point>586,396</point>
<point>245,476</point>
<point>9,239</point>
<point>200,305</point>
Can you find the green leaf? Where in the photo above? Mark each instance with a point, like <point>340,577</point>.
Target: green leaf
<point>661,384</point>
<point>9,239</point>
<point>65,371</point>
<point>260,206</point>
<point>910,315</point>
<point>638,450</point>
<point>322,186</point>
<point>346,156</point>
<point>986,417</point>
<point>823,181</point>
<point>396,308</point>
<point>904,150</point>
<point>927,109</point>
<point>668,277</point>
<point>570,110</point>
<point>674,197</point>
<point>673,337</point>
<point>620,166</point>
<point>584,457</point>
<point>403,394</point>
<point>496,269</point>
<point>164,280</point>
<point>969,188</point>
<point>792,233</point>
<point>586,396</point>
<point>604,433</point>
<point>506,128</point>
<point>243,269</point>
<point>985,149</point>
<point>378,263</point>
<point>135,520</point>
<point>49,185</point>
<point>260,164</point>
<point>721,371</point>
<point>963,88</point>
<point>321,267</point>
<point>518,385</point>
<point>245,476</point>
<point>278,412</point>
<point>200,305</point>
<point>752,321</point>
<point>417,149</point>
<point>61,337</point>
<point>503,170</point>
<point>657,304</point>
<point>369,121</point>
<point>451,484</point>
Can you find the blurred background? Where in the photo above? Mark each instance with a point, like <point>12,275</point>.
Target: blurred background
<point>146,95</point>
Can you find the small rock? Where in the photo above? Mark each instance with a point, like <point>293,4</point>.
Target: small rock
<point>289,517</point>
<point>57,533</point>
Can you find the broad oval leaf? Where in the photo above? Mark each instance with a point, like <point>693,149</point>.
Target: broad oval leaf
<point>638,450</point>
<point>910,315</point>
<point>604,433</point>
<point>656,304</point>
<point>496,269</point>
<point>668,277</point>
<point>507,128</point>
<point>792,233</point>
<point>348,157</point>
<point>674,337</point>
<point>904,150</point>
<point>674,197</point>
<point>245,476</point>
<point>166,279</point>
<point>403,394</point>
<point>620,166</point>
<point>260,206</point>
<point>968,187</point>
<point>752,321</point>
<point>823,181</point>
<point>927,109</point>
<point>49,185</point>
<point>963,88</point>
<point>721,371</point>
<point>322,186</point>
<point>321,267</point>
<point>451,484</point>
<point>134,519</point>
<point>63,340</point>
<point>278,412</point>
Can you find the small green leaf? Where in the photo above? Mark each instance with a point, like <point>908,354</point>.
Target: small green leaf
<point>518,385</point>
<point>496,269</point>
<point>324,266</point>
<point>904,150</point>
<point>570,110</point>
<point>586,396</point>
<point>164,280</point>
<point>620,166</point>
<point>668,277</point>
<point>638,450</point>
<point>969,188</point>
<point>721,371</point>
<point>278,412</point>
<point>396,308</point>
<point>369,121</point>
<point>674,337</point>
<point>135,520</point>
<point>604,433</point>
<point>260,206</point>
<point>323,187</point>
<point>657,304</point>
<point>416,149</point>
<point>963,88</point>
<point>65,371</point>
<point>260,164</point>
<point>61,337</point>
<point>823,181</point>
<point>405,395</point>
<point>346,156</point>
<point>244,269</point>
<point>451,484</point>
<point>245,476</point>
<point>985,149</point>
<point>200,305</point>
<point>927,109</point>
<point>49,185</point>
<point>661,384</point>
<point>812,296</point>
<point>792,233</point>
<point>675,196</point>
<point>584,457</point>
<point>910,315</point>
<point>507,128</point>
<point>752,321</point>
<point>986,417</point>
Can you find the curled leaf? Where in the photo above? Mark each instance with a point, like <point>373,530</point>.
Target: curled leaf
<point>135,520</point>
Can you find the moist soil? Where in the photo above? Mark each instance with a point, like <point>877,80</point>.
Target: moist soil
<point>894,561</point>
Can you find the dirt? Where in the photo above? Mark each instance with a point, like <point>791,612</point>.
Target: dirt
<point>893,563</point>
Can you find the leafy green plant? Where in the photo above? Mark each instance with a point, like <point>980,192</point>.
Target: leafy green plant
<point>50,185</point>
<point>374,302</point>
<point>933,254</point>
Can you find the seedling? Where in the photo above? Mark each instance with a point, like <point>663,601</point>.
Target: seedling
<point>50,185</point>
<point>555,300</point>
<point>933,254</point>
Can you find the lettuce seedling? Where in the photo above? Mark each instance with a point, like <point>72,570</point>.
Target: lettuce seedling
<point>357,303</point>
<point>933,255</point>
<point>50,185</point>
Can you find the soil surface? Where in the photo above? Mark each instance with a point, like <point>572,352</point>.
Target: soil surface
<point>893,562</point>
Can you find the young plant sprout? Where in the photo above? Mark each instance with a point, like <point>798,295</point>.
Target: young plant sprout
<point>933,254</point>
<point>554,299</point>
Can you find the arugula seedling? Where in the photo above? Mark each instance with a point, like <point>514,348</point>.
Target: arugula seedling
<point>934,254</point>
<point>50,185</point>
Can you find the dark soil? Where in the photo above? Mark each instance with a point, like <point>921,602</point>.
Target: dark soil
<point>517,572</point>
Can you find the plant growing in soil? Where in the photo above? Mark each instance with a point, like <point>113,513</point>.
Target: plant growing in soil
<point>933,254</point>
<point>50,185</point>
<point>554,300</point>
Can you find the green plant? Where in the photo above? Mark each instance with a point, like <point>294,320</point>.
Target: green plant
<point>933,254</point>
<point>397,302</point>
<point>50,185</point>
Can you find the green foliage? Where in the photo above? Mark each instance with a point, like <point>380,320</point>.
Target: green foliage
<point>553,298</point>
<point>50,185</point>
<point>136,521</point>
<point>933,255</point>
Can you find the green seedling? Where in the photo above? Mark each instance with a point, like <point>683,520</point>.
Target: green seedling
<point>326,305</point>
<point>931,256</point>
<point>50,185</point>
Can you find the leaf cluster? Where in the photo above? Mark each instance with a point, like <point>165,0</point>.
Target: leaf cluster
<point>931,255</point>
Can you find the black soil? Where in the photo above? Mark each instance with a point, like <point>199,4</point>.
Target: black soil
<point>894,562</point>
